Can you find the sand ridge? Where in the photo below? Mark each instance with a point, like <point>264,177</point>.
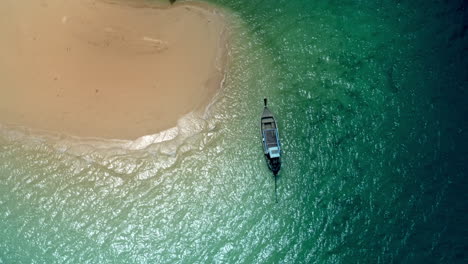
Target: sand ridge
<point>107,69</point>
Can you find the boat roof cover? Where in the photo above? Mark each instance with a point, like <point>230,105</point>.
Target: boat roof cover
<point>274,152</point>
<point>271,138</point>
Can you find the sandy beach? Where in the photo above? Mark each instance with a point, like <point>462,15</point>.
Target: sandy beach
<point>96,68</point>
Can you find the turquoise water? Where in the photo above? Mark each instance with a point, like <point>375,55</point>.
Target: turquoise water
<point>371,101</point>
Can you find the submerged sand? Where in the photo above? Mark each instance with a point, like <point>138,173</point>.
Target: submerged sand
<point>107,69</point>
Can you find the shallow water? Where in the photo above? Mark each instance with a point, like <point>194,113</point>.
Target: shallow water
<point>371,102</point>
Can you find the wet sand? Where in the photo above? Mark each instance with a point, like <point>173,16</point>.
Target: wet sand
<point>107,69</point>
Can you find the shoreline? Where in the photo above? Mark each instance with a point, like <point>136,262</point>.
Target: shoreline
<point>108,69</point>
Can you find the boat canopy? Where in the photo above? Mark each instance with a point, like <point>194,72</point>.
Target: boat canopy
<point>271,143</point>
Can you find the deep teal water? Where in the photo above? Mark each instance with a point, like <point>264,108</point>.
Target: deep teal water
<point>372,103</point>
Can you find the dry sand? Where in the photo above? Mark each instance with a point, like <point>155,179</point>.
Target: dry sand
<point>96,68</point>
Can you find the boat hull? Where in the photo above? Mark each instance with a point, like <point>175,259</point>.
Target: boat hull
<point>270,140</point>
